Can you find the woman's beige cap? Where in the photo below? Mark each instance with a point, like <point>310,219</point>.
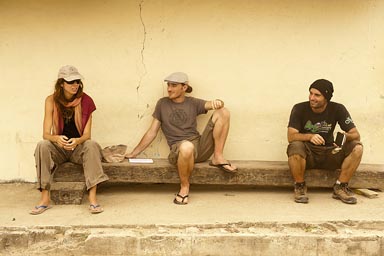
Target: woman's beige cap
<point>69,73</point>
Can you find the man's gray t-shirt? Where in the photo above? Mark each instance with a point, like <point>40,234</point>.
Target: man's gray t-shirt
<point>178,120</point>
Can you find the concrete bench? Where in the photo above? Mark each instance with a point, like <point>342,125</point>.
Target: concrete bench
<point>68,185</point>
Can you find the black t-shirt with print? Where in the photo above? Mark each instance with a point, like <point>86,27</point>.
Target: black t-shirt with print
<point>306,121</point>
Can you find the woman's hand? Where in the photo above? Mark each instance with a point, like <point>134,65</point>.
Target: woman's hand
<point>71,144</point>
<point>61,140</point>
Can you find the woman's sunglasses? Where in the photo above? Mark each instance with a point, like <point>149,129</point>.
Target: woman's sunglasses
<point>73,81</point>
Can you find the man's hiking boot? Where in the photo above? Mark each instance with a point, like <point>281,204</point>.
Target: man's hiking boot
<point>343,192</point>
<point>301,193</point>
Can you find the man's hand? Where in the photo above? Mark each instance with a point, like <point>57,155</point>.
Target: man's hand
<point>317,139</point>
<point>217,104</point>
<point>129,155</point>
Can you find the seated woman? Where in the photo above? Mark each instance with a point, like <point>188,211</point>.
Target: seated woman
<point>67,137</point>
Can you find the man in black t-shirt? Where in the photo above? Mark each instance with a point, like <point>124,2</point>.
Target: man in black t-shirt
<point>311,141</point>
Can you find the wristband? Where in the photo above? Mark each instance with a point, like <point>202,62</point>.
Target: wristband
<point>213,105</point>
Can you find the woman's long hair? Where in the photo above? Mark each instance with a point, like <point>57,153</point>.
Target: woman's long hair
<point>61,101</point>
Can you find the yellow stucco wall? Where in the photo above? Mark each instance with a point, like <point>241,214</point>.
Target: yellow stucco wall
<point>258,56</point>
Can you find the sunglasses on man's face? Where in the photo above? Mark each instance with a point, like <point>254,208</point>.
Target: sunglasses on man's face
<point>73,81</point>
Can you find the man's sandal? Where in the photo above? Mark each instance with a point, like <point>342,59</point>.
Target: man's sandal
<point>182,199</point>
<point>223,167</point>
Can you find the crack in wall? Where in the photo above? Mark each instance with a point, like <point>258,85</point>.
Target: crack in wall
<point>141,115</point>
<point>143,46</point>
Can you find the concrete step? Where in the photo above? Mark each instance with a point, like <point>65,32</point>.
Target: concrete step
<point>264,238</point>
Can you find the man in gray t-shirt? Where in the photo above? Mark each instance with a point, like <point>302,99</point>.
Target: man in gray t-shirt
<point>176,116</point>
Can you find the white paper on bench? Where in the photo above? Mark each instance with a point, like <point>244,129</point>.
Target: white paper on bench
<point>141,160</point>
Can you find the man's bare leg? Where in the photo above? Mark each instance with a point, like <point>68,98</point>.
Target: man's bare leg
<point>341,189</point>
<point>350,164</point>
<point>185,164</point>
<point>297,166</point>
<point>221,119</point>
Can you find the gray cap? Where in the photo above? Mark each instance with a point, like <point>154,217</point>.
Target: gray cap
<point>179,77</point>
<point>69,73</point>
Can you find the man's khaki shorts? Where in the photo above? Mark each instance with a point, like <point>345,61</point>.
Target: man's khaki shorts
<point>204,145</point>
<point>321,156</point>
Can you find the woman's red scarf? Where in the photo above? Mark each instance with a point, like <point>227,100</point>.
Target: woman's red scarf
<point>58,123</point>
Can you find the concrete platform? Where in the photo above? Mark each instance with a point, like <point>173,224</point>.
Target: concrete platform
<point>219,220</point>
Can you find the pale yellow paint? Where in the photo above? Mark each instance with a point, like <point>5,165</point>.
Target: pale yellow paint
<point>258,56</point>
